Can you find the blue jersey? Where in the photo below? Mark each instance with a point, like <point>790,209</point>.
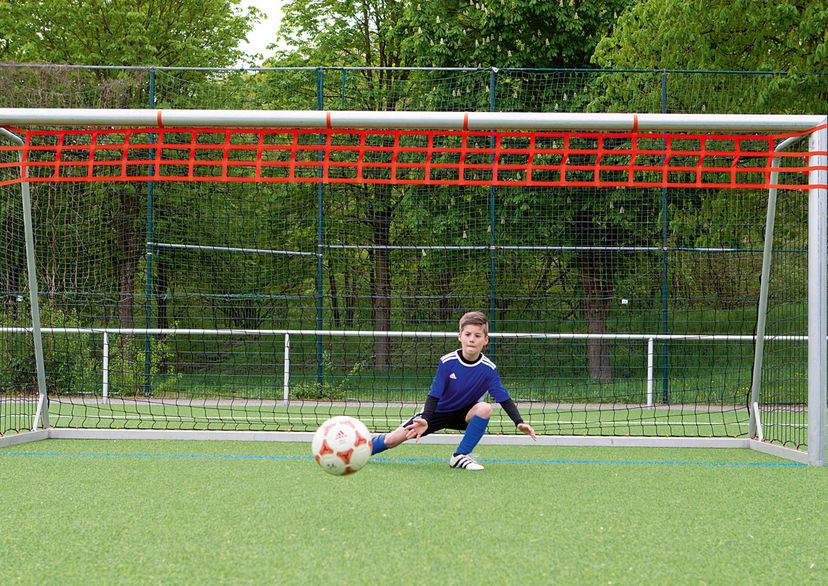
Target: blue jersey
<point>458,384</point>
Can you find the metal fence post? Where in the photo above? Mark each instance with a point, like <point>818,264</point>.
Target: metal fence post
<point>492,225</point>
<point>320,233</point>
<point>665,268</point>
<point>148,291</point>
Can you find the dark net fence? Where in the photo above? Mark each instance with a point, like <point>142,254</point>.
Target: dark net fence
<point>251,305</point>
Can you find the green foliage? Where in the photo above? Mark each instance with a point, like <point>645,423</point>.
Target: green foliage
<point>506,33</point>
<point>70,360</point>
<point>127,32</point>
<point>16,363</point>
<point>73,362</point>
<point>335,386</point>
<point>128,365</point>
<point>341,32</point>
<point>748,35</point>
<point>745,35</point>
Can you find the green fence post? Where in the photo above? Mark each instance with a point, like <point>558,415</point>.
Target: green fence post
<point>148,293</point>
<point>492,224</point>
<point>665,282</point>
<point>320,191</point>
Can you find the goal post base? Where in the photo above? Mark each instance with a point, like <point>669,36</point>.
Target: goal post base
<point>779,451</point>
<point>17,439</point>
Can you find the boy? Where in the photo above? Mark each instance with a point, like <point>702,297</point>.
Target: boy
<point>462,378</point>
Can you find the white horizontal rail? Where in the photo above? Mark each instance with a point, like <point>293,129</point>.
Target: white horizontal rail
<point>230,249</point>
<point>404,120</point>
<point>402,334</point>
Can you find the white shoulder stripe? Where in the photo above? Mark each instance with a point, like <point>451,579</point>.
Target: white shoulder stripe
<point>489,363</point>
<point>449,356</point>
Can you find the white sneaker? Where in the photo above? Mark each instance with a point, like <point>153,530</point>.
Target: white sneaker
<point>465,461</point>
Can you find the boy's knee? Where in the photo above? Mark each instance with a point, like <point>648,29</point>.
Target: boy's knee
<point>483,410</point>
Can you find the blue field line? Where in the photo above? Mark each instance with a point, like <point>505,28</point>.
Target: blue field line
<point>381,459</point>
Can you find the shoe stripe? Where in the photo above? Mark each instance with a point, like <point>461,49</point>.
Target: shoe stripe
<point>463,462</point>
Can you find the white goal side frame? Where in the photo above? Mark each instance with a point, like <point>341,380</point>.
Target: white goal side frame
<point>817,126</point>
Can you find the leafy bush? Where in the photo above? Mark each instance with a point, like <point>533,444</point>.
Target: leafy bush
<point>74,362</point>
<point>69,360</point>
<point>334,387</point>
<point>128,364</point>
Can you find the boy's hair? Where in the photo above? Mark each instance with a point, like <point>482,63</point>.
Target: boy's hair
<point>475,318</point>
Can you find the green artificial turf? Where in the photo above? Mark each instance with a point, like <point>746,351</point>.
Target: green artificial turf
<point>181,512</point>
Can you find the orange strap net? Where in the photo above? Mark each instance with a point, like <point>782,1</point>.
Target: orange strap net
<point>408,157</point>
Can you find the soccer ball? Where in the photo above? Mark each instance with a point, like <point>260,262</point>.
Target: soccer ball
<point>341,445</point>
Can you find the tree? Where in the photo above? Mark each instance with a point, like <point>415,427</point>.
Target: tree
<point>342,32</point>
<point>783,36</point>
<point>435,33</point>
<point>529,34</point>
<point>749,35</point>
<point>745,35</point>
<point>187,33</point>
<point>507,33</point>
<point>123,32</point>
<point>358,34</point>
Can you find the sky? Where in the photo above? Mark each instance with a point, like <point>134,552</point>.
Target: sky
<point>263,33</point>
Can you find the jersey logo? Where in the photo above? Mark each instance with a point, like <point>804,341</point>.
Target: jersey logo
<point>452,375</point>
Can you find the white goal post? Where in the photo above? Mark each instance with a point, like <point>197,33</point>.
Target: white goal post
<point>146,118</point>
<point>625,128</point>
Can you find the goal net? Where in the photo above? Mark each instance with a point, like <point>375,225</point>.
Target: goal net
<point>263,271</point>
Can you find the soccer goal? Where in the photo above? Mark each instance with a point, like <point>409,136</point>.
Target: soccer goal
<point>650,279</point>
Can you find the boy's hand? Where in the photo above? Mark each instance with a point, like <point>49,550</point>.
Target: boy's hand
<point>416,429</point>
<point>527,429</point>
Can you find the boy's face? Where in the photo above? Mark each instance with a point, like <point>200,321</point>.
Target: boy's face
<point>472,340</point>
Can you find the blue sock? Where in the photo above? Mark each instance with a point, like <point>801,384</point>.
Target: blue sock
<point>378,444</point>
<point>474,432</point>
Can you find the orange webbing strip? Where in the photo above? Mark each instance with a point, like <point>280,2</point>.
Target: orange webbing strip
<point>410,157</point>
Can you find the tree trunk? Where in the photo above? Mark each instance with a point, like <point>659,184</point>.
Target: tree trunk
<point>350,297</point>
<point>334,296</point>
<point>126,260</point>
<point>380,220</point>
<point>596,279</point>
<point>160,284</point>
